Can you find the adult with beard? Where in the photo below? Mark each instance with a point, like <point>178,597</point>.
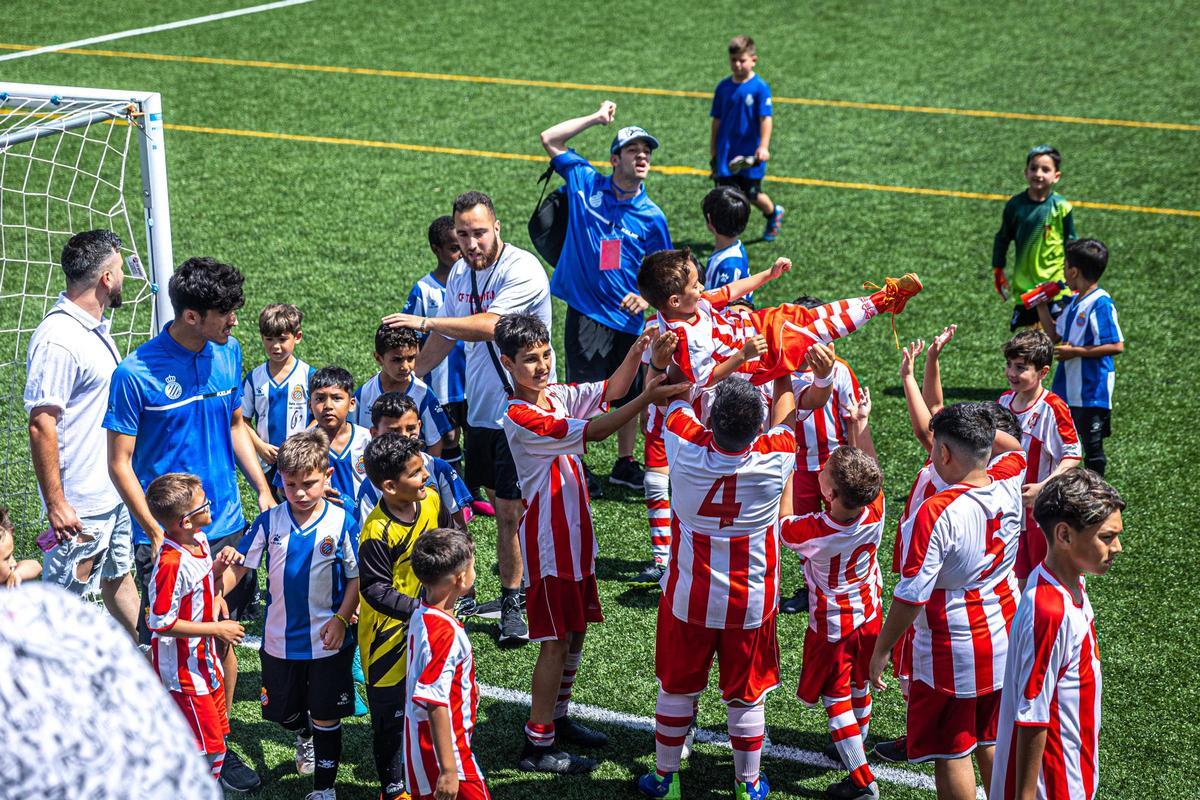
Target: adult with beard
<point>70,363</point>
<point>175,405</point>
<point>612,225</point>
<point>491,279</point>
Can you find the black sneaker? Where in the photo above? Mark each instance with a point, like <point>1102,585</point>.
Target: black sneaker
<point>629,473</point>
<point>236,776</point>
<point>797,603</point>
<point>653,573</point>
<point>513,630</point>
<point>894,750</point>
<point>488,610</point>
<point>551,759</point>
<point>846,790</point>
<point>595,489</point>
<point>569,731</point>
<point>831,752</point>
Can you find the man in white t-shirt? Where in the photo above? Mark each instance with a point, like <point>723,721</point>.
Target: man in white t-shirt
<point>490,280</point>
<point>70,362</point>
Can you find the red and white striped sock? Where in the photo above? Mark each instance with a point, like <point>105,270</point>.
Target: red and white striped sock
<point>215,762</point>
<point>539,735</point>
<point>835,320</point>
<point>672,718</point>
<point>747,726</point>
<point>848,739</point>
<point>570,667</point>
<point>860,698</point>
<point>658,514</point>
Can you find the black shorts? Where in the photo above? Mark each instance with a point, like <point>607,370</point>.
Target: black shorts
<point>457,412</point>
<point>490,463</point>
<point>320,687</point>
<point>1028,317</point>
<point>748,186</point>
<point>1092,423</point>
<point>594,351</point>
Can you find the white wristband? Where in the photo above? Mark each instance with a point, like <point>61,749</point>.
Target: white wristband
<point>821,383</point>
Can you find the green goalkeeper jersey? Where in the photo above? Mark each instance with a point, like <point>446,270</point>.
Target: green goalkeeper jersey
<point>1040,231</point>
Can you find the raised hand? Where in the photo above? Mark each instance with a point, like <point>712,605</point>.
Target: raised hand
<point>780,266</point>
<point>941,340</point>
<point>606,112</point>
<point>663,349</point>
<point>908,357</point>
<point>820,359</point>
<point>754,347</point>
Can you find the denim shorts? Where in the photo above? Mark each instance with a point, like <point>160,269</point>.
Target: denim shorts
<point>107,538</point>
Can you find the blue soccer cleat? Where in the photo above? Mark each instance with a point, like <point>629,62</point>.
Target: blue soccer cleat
<point>773,223</point>
<point>752,791</point>
<point>651,785</point>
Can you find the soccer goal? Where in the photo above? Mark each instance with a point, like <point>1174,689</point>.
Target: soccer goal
<point>71,160</point>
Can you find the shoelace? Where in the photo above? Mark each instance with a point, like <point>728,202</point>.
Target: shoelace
<point>889,287</point>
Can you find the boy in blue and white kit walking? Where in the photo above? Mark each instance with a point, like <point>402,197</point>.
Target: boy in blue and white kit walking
<point>741,132</point>
<point>306,546</point>
<point>1086,337</point>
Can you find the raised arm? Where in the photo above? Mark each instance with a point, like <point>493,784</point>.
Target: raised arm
<point>555,138</point>
<point>744,286</point>
<point>624,375</point>
<point>931,389</point>
<point>918,409</point>
<point>656,391</point>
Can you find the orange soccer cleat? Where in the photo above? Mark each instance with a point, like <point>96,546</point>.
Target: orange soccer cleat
<point>895,293</point>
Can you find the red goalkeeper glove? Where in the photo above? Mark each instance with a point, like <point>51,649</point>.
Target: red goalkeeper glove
<point>1001,282</point>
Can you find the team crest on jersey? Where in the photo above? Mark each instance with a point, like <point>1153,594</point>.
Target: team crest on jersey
<point>360,465</point>
<point>173,390</point>
<point>1033,419</point>
<point>595,200</point>
<point>1082,318</point>
<point>327,546</point>
<point>297,393</point>
<point>749,100</point>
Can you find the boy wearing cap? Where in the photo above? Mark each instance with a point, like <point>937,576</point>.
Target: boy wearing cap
<point>612,225</point>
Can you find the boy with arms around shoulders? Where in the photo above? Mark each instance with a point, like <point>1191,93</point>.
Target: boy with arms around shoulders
<point>548,426</point>
<point>396,353</point>
<point>312,588</point>
<point>1048,744</point>
<point>442,695</point>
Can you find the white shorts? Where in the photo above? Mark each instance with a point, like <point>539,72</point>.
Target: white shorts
<point>107,538</point>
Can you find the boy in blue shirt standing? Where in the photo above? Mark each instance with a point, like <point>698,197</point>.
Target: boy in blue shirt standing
<point>741,132</point>
<point>726,211</point>
<point>1086,337</point>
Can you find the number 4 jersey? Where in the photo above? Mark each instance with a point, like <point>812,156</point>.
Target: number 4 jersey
<point>724,567</point>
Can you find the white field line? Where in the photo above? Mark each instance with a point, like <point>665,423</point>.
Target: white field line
<point>166,26</point>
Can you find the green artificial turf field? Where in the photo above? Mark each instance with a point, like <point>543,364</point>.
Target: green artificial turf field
<point>319,185</point>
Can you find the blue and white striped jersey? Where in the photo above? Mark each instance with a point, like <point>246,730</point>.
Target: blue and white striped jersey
<point>434,422</point>
<point>349,469</point>
<point>277,410</point>
<point>1089,319</point>
<point>443,479</point>
<point>726,266</point>
<point>307,571</point>
<point>448,379</point>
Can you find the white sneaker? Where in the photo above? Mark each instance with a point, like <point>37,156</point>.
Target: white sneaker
<point>306,760</point>
<point>688,741</point>
<point>322,794</point>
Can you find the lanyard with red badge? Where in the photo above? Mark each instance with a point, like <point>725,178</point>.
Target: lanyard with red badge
<point>610,249</point>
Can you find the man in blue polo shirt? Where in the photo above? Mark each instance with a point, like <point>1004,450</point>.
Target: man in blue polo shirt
<point>613,225</point>
<point>174,405</point>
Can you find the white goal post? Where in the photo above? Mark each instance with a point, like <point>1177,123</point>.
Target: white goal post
<point>73,159</point>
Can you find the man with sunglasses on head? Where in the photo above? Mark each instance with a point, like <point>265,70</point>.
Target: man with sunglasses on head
<point>175,406</point>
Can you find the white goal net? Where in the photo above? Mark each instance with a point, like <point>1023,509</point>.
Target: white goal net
<point>72,160</point>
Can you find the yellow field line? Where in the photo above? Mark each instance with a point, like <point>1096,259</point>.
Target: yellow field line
<point>640,90</point>
<point>665,169</point>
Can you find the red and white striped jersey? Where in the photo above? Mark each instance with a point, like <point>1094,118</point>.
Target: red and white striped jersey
<point>840,568</point>
<point>556,527</point>
<point>182,588</point>
<point>821,431</point>
<point>441,672</point>
<point>925,485</point>
<point>1048,436</point>
<point>713,334</point>
<point>724,567</point>
<point>1053,682</point>
<point>959,569</point>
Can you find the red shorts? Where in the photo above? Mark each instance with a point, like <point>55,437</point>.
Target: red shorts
<point>655,452</point>
<point>205,715</point>
<point>747,659</point>
<point>806,492</point>
<point>941,726</point>
<point>832,668</point>
<point>467,790</point>
<point>1031,548</point>
<point>556,608</point>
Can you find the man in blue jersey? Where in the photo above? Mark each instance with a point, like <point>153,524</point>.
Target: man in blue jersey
<point>612,225</point>
<point>175,405</point>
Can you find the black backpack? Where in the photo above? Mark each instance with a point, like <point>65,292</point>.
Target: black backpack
<point>548,225</point>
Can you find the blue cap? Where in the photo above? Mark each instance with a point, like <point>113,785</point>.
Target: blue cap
<point>629,134</point>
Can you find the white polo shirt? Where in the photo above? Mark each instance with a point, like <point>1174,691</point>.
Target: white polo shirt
<point>70,362</point>
<point>516,283</point>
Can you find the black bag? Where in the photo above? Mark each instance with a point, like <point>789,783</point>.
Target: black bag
<point>548,225</point>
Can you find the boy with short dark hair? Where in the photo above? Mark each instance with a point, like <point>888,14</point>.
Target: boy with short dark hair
<point>715,340</point>
<point>1086,337</point>
<point>183,614</point>
<point>389,590</point>
<point>13,572</point>
<point>275,393</point>
<point>331,399</point>
<point>1048,434</point>
<point>396,354</point>
<point>307,546</point>
<point>548,426</point>
<point>726,211</point>
<point>394,412</point>
<point>838,549</point>
<point>1040,221</point>
<point>741,132</point>
<point>441,689</point>
<point>1048,740</point>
